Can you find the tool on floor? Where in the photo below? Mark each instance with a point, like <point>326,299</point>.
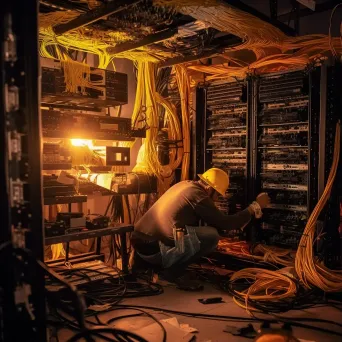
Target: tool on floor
<point>212,300</point>
<point>248,331</point>
<point>268,334</point>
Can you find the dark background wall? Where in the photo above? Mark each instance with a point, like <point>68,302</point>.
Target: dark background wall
<point>310,24</point>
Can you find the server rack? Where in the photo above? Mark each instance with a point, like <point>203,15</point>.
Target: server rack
<point>281,147</point>
<point>287,159</point>
<point>22,281</point>
<point>330,247</point>
<point>225,139</point>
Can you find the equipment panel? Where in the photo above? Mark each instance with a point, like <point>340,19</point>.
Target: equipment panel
<point>93,87</point>
<point>283,154</point>
<point>226,145</point>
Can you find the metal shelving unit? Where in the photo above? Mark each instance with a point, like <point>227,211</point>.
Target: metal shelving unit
<point>23,299</point>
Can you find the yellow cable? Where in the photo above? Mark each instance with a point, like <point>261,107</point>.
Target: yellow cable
<point>185,93</point>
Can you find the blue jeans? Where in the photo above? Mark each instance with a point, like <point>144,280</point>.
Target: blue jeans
<point>208,238</point>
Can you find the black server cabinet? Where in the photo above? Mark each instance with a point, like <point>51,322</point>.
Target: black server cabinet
<point>264,131</point>
<point>330,246</point>
<point>287,134</point>
<point>22,300</point>
<point>222,126</point>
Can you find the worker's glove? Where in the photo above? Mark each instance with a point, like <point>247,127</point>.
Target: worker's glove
<point>263,200</point>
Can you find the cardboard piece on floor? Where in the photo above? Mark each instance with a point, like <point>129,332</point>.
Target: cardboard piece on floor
<point>152,333</point>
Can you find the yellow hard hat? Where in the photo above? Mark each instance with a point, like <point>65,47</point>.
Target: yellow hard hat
<point>217,179</point>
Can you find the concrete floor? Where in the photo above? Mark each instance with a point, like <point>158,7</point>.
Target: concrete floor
<point>210,330</point>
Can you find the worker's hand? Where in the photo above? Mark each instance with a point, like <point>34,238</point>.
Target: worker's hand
<point>263,200</point>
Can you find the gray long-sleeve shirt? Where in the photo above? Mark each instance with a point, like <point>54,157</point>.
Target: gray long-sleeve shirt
<point>184,204</point>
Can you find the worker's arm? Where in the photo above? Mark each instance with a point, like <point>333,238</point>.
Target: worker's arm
<point>208,212</point>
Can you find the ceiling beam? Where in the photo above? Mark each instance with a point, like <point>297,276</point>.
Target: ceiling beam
<point>57,5</point>
<point>218,46</point>
<point>94,15</point>
<point>150,39</point>
<point>304,12</point>
<point>183,59</point>
<point>251,10</point>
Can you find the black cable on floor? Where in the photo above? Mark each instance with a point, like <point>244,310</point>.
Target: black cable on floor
<point>244,319</point>
<point>119,334</point>
<point>144,313</point>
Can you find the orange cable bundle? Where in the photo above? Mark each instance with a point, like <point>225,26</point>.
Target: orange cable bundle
<point>310,270</point>
<point>275,286</point>
<point>280,285</point>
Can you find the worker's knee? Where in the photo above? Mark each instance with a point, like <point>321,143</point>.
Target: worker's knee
<point>214,236</point>
<point>210,240</point>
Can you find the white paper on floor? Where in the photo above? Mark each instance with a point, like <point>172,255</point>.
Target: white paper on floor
<point>186,327</point>
<point>174,330</point>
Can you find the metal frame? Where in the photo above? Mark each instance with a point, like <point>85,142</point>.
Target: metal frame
<point>178,60</point>
<point>332,240</point>
<point>120,229</point>
<point>314,79</point>
<point>252,147</point>
<point>274,9</point>
<point>198,138</point>
<point>94,15</point>
<point>23,273</point>
<point>322,128</point>
<point>252,179</point>
<point>5,232</point>
<point>151,39</point>
<point>219,44</point>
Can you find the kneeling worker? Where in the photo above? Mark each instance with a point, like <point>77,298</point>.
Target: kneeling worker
<point>170,234</point>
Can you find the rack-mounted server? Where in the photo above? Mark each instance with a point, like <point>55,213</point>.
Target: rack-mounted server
<point>287,152</point>
<point>101,88</point>
<point>226,140</point>
<point>264,131</point>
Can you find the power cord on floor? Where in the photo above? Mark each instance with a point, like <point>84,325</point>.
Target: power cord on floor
<point>276,319</point>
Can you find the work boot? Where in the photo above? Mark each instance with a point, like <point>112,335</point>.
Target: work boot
<point>139,265</point>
